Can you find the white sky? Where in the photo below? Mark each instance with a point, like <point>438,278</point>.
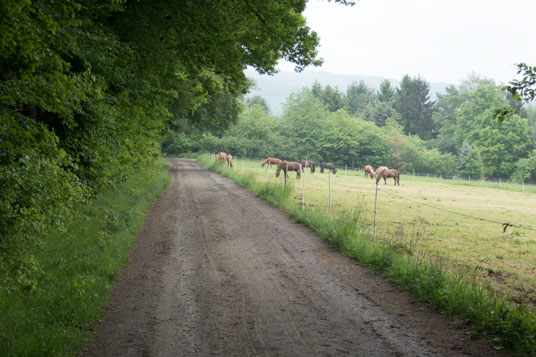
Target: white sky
<point>440,40</point>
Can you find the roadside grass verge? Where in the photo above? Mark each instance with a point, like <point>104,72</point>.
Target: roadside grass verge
<point>461,296</point>
<point>74,271</point>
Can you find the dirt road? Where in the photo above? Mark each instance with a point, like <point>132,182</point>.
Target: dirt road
<point>217,271</point>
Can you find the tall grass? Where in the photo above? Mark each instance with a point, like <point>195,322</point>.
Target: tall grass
<point>74,271</point>
<point>506,325</point>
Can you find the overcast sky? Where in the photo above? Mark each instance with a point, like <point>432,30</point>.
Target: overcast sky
<point>440,40</point>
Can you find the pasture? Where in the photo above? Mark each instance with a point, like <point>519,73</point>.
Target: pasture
<point>456,223</point>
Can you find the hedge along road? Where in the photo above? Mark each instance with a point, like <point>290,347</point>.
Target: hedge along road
<point>216,270</point>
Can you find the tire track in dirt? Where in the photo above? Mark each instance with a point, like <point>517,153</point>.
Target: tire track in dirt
<point>217,271</point>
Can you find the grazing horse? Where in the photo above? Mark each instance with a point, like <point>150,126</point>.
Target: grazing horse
<point>388,173</point>
<point>380,169</point>
<point>221,156</point>
<point>272,161</point>
<point>289,166</point>
<point>229,159</point>
<point>369,171</point>
<point>327,165</point>
<point>310,164</point>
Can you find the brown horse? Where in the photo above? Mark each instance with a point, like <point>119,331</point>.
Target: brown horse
<point>329,166</point>
<point>369,170</point>
<point>379,169</point>
<point>385,173</point>
<point>272,161</point>
<point>310,164</point>
<point>221,156</point>
<point>229,159</point>
<point>289,166</point>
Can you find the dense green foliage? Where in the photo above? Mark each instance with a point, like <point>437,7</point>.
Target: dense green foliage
<point>521,91</point>
<point>88,89</point>
<point>412,101</point>
<point>71,273</point>
<point>308,129</point>
<point>398,127</point>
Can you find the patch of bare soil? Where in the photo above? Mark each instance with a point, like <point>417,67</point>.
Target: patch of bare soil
<point>217,271</point>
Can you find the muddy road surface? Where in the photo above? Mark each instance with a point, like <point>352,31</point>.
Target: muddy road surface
<point>217,271</point>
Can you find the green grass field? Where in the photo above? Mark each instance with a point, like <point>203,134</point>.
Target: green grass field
<point>448,221</point>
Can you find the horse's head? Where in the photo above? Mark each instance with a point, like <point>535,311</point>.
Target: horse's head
<point>334,171</point>
<point>278,171</point>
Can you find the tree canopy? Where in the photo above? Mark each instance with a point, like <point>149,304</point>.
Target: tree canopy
<point>523,91</point>
<point>460,138</point>
<point>87,89</point>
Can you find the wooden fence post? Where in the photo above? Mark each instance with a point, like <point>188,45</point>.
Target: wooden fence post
<point>303,189</point>
<point>330,212</point>
<point>375,206</point>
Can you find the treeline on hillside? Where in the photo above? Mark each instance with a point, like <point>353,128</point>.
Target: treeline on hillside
<point>399,127</point>
<point>88,88</point>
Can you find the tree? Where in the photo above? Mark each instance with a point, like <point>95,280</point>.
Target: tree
<point>351,141</point>
<point>502,144</point>
<point>302,123</point>
<point>531,117</point>
<point>446,111</point>
<point>332,98</point>
<point>523,91</point>
<point>258,100</point>
<point>413,103</point>
<point>525,169</point>
<point>478,97</point>
<point>386,93</point>
<point>86,90</point>
<point>358,96</point>
<point>469,162</point>
<point>383,111</point>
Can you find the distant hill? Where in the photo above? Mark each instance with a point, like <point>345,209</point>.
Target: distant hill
<point>275,89</point>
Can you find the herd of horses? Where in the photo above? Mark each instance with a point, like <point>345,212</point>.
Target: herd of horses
<point>298,167</point>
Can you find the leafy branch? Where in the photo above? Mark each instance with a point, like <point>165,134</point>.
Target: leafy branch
<point>523,91</point>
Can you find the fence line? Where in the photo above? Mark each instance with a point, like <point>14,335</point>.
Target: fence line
<point>504,224</point>
<point>500,180</point>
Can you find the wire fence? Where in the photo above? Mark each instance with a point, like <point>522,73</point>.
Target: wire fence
<point>490,182</point>
<point>498,183</point>
<point>420,217</point>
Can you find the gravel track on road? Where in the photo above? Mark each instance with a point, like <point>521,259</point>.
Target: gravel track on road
<point>218,271</point>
